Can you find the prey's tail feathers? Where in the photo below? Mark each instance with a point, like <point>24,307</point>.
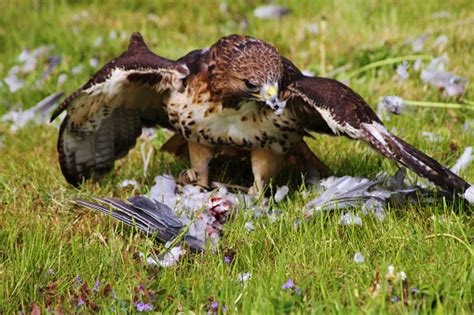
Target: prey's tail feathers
<point>149,217</point>
<point>398,150</point>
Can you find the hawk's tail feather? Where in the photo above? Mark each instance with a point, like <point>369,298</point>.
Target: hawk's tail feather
<point>398,150</point>
<point>149,217</point>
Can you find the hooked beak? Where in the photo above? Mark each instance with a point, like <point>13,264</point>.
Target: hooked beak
<point>269,95</point>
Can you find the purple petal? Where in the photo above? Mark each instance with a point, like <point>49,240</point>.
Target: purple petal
<point>96,286</point>
<point>78,280</point>
<point>143,307</point>
<point>395,299</point>
<point>80,302</point>
<point>289,284</point>
<point>298,291</point>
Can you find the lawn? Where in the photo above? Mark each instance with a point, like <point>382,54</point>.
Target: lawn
<point>53,255</point>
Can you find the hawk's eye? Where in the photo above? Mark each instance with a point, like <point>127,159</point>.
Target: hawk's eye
<point>250,85</point>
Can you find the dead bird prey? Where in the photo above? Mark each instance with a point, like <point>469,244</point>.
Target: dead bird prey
<point>238,94</point>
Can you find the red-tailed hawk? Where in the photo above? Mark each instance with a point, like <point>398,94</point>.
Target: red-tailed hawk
<point>238,94</point>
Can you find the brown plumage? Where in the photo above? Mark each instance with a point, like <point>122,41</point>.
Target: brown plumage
<point>237,96</point>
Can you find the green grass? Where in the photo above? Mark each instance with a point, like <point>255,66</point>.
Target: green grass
<point>41,230</point>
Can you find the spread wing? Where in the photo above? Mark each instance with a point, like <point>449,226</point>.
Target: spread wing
<point>106,115</point>
<point>328,106</point>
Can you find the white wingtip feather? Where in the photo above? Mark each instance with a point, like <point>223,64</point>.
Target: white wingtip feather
<point>469,194</point>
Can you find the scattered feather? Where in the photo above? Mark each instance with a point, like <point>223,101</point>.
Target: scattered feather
<point>128,183</point>
<point>312,28</point>
<point>418,42</point>
<point>281,193</point>
<point>77,69</point>
<point>249,226</point>
<point>53,63</point>
<point>418,65</point>
<point>83,15</point>
<point>146,157</point>
<point>244,277</point>
<point>393,276</point>
<point>375,207</point>
<point>29,59</point>
<point>98,41</point>
<point>168,259</point>
<point>171,209</point>
<point>441,221</point>
<point>468,126</point>
<point>171,257</point>
<point>164,190</point>
<point>38,114</point>
<point>396,182</point>
<point>435,75</point>
<point>62,78</point>
<point>432,137</point>
<point>393,104</point>
<point>463,162</point>
<point>113,35</point>
<point>13,82</point>
<point>441,41</point>
<point>402,71</point>
<point>94,62</point>
<point>148,134</point>
<point>371,195</point>
<point>28,63</point>
<point>441,15</point>
<point>223,7</point>
<point>359,258</point>
<point>349,219</point>
<point>271,12</point>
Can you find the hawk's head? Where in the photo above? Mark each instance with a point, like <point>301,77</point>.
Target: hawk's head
<point>243,67</point>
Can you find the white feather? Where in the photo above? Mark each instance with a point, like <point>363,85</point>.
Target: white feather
<point>112,86</point>
<point>378,131</point>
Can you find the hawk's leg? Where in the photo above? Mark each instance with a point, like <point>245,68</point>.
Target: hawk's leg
<point>265,166</point>
<point>301,157</point>
<point>200,156</point>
